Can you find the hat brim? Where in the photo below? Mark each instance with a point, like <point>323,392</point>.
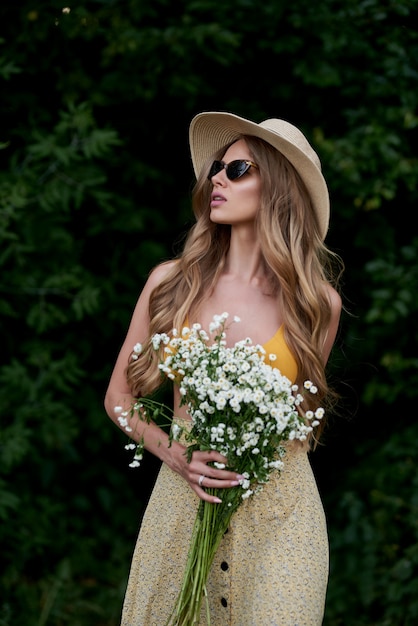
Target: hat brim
<point>213,130</point>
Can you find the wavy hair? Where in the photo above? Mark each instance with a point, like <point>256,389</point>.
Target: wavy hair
<point>297,262</point>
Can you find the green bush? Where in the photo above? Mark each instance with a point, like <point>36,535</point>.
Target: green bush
<point>95,181</point>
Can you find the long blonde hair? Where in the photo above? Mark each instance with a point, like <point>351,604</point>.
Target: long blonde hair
<point>299,266</point>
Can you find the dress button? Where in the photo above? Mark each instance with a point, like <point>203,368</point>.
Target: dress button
<point>224,602</point>
<point>224,566</point>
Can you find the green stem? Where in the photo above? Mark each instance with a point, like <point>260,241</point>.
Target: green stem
<point>212,520</point>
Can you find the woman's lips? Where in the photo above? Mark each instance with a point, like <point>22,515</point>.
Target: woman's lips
<point>217,199</point>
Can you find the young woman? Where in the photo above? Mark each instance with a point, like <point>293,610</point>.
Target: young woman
<point>256,251</point>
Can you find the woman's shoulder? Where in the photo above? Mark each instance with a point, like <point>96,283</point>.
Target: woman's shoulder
<point>160,272</point>
<point>155,278</point>
<point>334,298</point>
<point>331,332</point>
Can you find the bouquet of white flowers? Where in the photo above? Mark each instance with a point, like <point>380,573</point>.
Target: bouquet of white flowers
<point>239,406</point>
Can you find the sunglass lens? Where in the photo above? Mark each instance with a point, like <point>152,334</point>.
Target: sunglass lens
<point>216,167</point>
<point>236,169</point>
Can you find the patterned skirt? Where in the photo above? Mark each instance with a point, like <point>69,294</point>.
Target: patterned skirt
<point>271,568</point>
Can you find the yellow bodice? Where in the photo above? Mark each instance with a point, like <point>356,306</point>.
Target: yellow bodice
<point>285,361</point>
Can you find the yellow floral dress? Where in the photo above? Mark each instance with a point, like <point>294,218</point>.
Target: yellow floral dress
<point>271,568</point>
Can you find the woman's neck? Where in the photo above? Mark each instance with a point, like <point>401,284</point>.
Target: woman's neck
<point>244,260</point>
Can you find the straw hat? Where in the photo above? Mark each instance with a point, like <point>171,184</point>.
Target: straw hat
<point>211,131</point>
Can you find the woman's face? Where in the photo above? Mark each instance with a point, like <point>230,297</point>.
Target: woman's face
<point>236,202</point>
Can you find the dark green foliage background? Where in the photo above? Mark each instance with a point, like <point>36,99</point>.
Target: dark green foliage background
<point>95,183</point>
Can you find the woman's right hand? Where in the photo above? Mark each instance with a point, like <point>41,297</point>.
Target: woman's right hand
<point>200,474</point>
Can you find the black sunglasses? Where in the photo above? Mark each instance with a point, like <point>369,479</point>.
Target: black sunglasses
<point>233,170</point>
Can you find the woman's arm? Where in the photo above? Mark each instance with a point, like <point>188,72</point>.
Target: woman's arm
<point>336,306</point>
<point>155,439</point>
<point>118,392</point>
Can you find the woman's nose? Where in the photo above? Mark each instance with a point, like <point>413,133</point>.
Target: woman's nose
<point>220,178</point>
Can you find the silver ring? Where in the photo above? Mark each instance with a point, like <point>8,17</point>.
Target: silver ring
<point>201,479</point>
